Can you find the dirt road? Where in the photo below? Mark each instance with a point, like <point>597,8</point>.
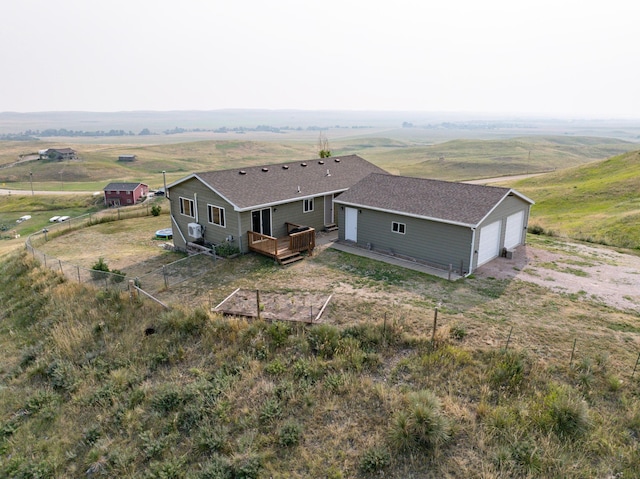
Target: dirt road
<point>5,192</point>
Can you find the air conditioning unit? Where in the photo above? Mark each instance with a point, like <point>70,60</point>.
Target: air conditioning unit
<point>195,230</point>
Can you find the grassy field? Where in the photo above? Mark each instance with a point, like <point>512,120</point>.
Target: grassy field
<point>597,202</point>
<point>452,160</point>
<point>366,393</point>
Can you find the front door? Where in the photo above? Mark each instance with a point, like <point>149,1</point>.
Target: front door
<point>351,224</point>
<point>261,221</point>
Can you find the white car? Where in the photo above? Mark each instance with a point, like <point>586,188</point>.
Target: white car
<point>53,219</point>
<point>23,218</point>
<point>63,218</point>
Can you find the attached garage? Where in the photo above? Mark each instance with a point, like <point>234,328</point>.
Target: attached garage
<point>489,247</point>
<point>439,223</point>
<point>514,230</point>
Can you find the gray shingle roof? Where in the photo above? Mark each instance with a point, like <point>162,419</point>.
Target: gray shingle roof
<point>271,184</point>
<point>122,186</point>
<point>459,203</point>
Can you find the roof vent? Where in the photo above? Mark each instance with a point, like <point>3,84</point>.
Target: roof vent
<point>337,160</point>
<point>242,172</point>
<point>303,164</point>
<point>299,190</point>
<point>265,169</point>
<point>321,162</point>
<point>285,167</point>
<point>328,174</point>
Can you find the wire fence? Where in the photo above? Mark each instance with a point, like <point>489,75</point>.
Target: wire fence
<point>150,284</point>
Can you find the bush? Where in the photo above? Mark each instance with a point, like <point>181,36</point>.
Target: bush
<point>289,434</point>
<point>99,269</point>
<point>422,425</point>
<point>374,460</point>
<point>226,249</point>
<point>567,414</point>
<point>117,276</point>
<point>508,371</point>
<point>155,210</point>
<point>324,340</point>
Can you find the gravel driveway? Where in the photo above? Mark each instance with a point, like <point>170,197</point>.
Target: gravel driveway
<point>590,272</point>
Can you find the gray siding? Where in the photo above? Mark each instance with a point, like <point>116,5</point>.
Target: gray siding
<point>204,196</point>
<point>438,244</point>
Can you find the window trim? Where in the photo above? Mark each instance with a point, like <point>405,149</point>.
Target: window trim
<point>191,207</point>
<point>398,228</point>
<point>308,205</point>
<point>222,215</point>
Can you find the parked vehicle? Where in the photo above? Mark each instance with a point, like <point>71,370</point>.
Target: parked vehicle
<point>63,218</point>
<point>23,218</point>
<point>53,219</point>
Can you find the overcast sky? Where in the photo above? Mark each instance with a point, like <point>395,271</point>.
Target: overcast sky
<point>575,58</point>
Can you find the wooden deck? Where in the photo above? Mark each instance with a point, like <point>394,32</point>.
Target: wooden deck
<point>286,249</point>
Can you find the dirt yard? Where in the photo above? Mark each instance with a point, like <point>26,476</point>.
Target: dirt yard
<point>590,272</point>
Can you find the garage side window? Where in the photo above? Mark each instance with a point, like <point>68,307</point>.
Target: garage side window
<point>398,227</point>
<point>216,215</point>
<point>186,207</point>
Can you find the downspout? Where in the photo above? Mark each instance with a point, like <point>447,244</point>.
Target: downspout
<point>240,231</point>
<point>473,245</point>
<point>195,202</point>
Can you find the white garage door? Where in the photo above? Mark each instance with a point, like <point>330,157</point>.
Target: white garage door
<point>515,227</point>
<point>351,224</point>
<point>489,242</point>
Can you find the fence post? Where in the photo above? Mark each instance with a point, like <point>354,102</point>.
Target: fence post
<point>60,263</point>
<point>435,325</point>
<point>508,339</point>
<point>164,275</point>
<point>636,366</point>
<point>572,351</point>
<point>258,302</point>
<point>45,259</point>
<point>78,268</point>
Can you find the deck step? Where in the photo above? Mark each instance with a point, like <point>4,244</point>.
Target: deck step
<point>329,228</point>
<point>292,258</point>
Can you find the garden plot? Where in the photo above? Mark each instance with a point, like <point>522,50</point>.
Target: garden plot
<point>298,306</point>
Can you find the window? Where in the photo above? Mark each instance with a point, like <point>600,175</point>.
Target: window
<point>398,227</point>
<point>186,207</point>
<point>307,205</point>
<point>216,215</point>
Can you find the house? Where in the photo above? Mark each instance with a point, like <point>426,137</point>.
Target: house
<point>440,223</point>
<point>127,158</point>
<point>123,194</point>
<point>58,154</point>
<point>253,206</point>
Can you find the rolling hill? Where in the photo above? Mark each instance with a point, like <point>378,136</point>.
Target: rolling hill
<point>598,202</point>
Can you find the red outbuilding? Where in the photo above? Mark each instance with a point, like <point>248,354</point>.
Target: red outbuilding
<point>124,194</point>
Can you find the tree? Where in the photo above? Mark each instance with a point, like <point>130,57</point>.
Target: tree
<point>323,146</point>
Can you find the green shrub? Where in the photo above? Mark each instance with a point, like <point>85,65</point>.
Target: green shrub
<point>324,340</point>
<point>422,425</point>
<point>117,276</point>
<point>155,210</point>
<point>508,371</point>
<point>567,414</point>
<point>99,269</point>
<point>226,249</point>
<point>279,332</point>
<point>246,466</point>
<point>374,460</point>
<point>218,467</point>
<point>289,434</point>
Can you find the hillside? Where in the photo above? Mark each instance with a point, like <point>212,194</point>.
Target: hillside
<point>86,393</point>
<point>598,202</point>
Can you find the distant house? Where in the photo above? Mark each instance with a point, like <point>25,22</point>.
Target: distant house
<point>127,158</point>
<point>258,207</point>
<point>58,154</point>
<point>124,194</point>
<point>440,223</point>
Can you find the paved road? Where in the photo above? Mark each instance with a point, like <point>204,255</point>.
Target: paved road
<point>5,192</point>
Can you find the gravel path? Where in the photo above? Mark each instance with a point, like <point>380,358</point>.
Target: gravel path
<point>591,272</point>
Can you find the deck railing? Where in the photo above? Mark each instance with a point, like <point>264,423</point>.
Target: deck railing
<point>263,243</point>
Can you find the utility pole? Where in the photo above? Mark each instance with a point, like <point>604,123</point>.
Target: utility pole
<point>31,179</point>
